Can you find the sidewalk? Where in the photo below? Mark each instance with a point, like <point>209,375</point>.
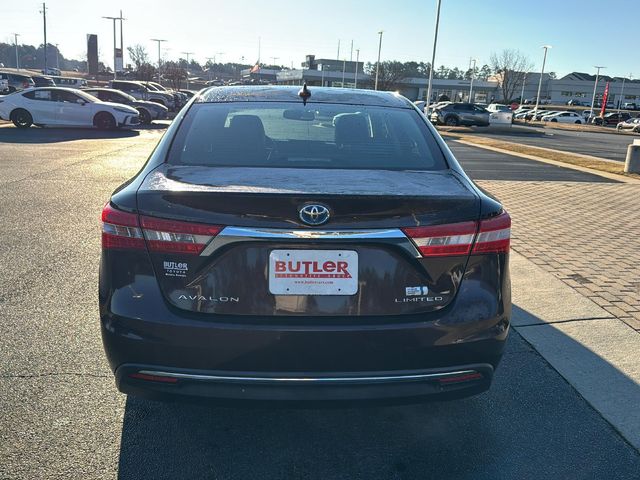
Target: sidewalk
<point>575,271</point>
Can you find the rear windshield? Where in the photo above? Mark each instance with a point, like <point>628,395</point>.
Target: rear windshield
<point>270,134</point>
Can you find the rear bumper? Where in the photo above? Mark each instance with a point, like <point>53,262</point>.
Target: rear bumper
<point>166,383</point>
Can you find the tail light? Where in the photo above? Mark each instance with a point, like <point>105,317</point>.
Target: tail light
<point>177,237</point>
<point>487,236</point>
<point>494,235</point>
<point>122,230</point>
<point>443,240</point>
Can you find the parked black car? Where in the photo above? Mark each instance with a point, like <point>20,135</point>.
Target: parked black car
<point>43,81</point>
<point>612,118</point>
<point>265,253</point>
<point>454,114</point>
<point>148,111</point>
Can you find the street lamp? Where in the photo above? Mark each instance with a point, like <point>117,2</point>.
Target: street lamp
<point>159,41</point>
<point>622,91</point>
<point>57,56</point>
<point>187,54</point>
<point>378,64</point>
<point>544,61</point>
<point>524,81</point>
<point>595,87</point>
<point>344,68</point>
<point>473,70</point>
<point>273,60</point>
<point>356,74</point>
<point>433,55</point>
<point>114,43</point>
<point>15,36</point>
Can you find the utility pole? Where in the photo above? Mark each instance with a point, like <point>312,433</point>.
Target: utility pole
<point>57,56</point>
<point>351,55</point>
<point>121,40</point>
<point>544,61</point>
<point>338,55</point>
<point>159,40</point>
<point>15,36</point>
<point>44,21</point>
<point>187,54</point>
<point>473,73</point>
<point>595,87</point>
<point>433,56</point>
<point>378,64</point>
<point>356,75</point>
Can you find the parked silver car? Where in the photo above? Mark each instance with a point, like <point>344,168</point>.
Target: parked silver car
<point>16,81</point>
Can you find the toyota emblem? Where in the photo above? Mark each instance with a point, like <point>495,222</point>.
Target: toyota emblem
<point>314,214</point>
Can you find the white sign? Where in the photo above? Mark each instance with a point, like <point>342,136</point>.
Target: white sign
<point>313,272</point>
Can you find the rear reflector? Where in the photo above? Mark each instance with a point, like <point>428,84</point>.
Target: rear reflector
<point>443,240</point>
<point>494,235</point>
<point>122,230</point>
<point>490,236</point>
<point>467,377</point>
<point>153,378</point>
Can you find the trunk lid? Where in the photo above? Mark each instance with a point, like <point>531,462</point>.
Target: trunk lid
<point>257,211</point>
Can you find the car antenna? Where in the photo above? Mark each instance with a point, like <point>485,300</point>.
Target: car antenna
<point>304,93</point>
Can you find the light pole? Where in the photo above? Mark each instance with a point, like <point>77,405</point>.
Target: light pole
<point>273,60</point>
<point>473,71</point>
<point>344,68</point>
<point>524,81</point>
<point>544,61</point>
<point>187,54</point>
<point>433,56</point>
<point>114,43</point>
<point>622,91</point>
<point>15,36</point>
<point>356,75</point>
<point>595,87</point>
<point>57,56</point>
<point>44,22</point>
<point>378,64</point>
<point>159,41</point>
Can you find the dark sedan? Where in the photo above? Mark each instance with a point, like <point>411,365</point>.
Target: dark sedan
<point>312,245</point>
<point>148,111</point>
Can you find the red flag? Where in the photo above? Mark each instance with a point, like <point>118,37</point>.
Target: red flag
<point>255,68</point>
<point>605,96</point>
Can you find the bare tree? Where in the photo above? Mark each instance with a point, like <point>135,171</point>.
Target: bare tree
<point>510,67</point>
<point>174,73</point>
<point>146,72</point>
<point>138,55</point>
<point>391,73</point>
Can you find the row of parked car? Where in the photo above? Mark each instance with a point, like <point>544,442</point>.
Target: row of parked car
<point>622,120</point>
<point>67,101</point>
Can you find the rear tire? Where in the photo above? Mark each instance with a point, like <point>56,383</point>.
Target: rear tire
<point>104,121</point>
<point>21,118</point>
<point>554,120</point>
<point>451,121</point>
<point>145,116</point>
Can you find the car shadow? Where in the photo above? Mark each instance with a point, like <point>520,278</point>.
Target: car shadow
<point>56,135</point>
<point>530,413</point>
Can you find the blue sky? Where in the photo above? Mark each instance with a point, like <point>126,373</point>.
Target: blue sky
<point>289,29</point>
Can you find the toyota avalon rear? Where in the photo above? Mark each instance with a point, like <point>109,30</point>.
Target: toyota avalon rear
<point>321,246</point>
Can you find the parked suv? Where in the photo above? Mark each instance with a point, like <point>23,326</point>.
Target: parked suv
<point>17,81</point>
<point>454,114</point>
<point>611,118</point>
<point>43,81</point>
<point>141,92</point>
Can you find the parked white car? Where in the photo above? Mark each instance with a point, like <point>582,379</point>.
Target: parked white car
<point>564,117</point>
<point>499,107</point>
<point>57,106</point>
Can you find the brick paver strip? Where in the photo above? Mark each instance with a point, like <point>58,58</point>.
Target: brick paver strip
<point>586,234</point>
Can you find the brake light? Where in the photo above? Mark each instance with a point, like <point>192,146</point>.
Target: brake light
<point>494,235</point>
<point>120,230</point>
<point>443,240</point>
<point>173,236</point>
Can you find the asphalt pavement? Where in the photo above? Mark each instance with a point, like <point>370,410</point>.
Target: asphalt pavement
<point>481,164</point>
<point>63,418</point>
<point>611,146</point>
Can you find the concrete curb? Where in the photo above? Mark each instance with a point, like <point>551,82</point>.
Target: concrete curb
<point>612,176</point>
<point>596,353</point>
